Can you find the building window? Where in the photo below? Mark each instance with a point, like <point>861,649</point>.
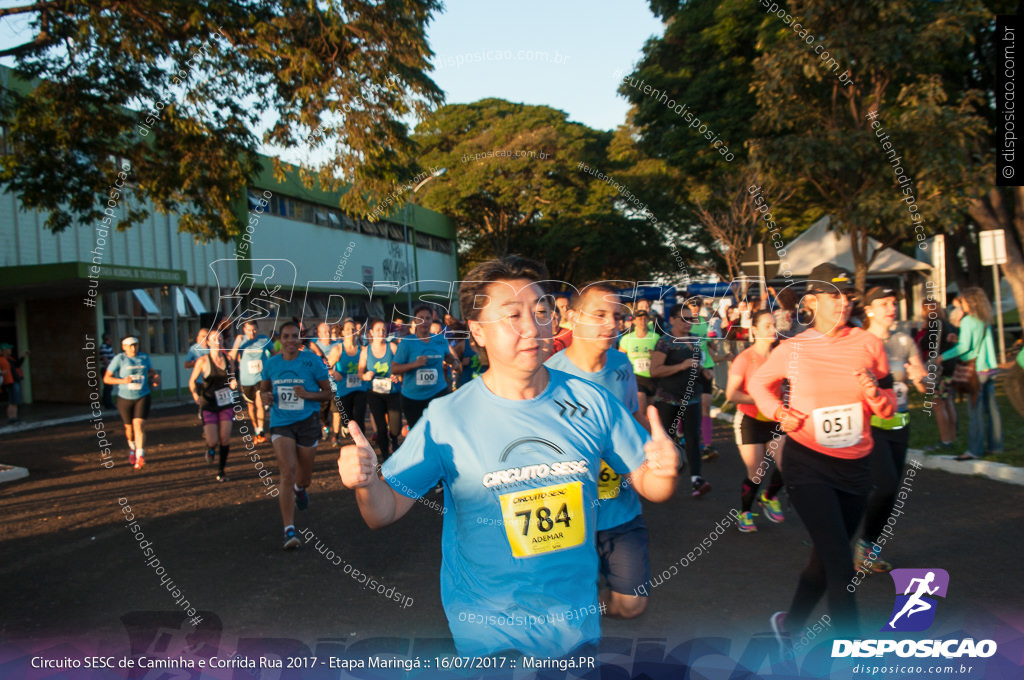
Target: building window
<point>148,314</point>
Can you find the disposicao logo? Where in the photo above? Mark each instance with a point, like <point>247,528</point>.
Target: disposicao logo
<point>914,611</point>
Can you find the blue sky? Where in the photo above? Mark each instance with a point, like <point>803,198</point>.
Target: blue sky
<point>592,39</point>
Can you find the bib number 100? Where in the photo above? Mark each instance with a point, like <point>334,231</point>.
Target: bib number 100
<point>544,521</point>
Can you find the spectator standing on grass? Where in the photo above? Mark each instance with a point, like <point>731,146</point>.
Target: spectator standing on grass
<point>975,348</point>
<point>10,367</point>
<point>938,335</point>
<point>106,356</point>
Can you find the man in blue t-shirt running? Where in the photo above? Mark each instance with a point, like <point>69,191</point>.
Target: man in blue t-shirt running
<point>622,535</point>
<point>519,557</point>
<point>250,350</point>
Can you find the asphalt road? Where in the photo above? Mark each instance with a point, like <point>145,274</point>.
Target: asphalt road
<point>73,574</point>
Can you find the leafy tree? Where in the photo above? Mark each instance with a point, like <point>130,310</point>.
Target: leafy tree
<point>835,137</point>
<point>519,180</point>
<point>176,88</point>
<point>991,207</point>
<point>703,65</point>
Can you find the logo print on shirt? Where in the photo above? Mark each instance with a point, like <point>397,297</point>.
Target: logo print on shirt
<point>533,447</point>
<point>913,611</point>
<point>622,374</point>
<point>574,405</point>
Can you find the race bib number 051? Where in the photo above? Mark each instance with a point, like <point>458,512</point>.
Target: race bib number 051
<point>544,520</point>
<point>286,399</point>
<point>608,482</point>
<point>837,427</point>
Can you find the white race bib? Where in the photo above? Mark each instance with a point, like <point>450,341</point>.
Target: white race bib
<point>224,396</point>
<point>837,427</point>
<point>286,399</point>
<point>426,376</point>
<point>382,385</point>
<point>352,380</point>
<point>137,381</point>
<point>256,366</point>
<point>643,365</point>
<point>902,395</point>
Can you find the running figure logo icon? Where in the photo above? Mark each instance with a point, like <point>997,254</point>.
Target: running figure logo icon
<point>256,296</point>
<point>914,610</point>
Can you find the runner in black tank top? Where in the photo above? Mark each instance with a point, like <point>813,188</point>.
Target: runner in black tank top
<point>216,400</point>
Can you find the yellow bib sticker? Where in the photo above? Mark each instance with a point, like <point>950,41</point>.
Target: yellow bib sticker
<point>608,483</point>
<point>544,520</point>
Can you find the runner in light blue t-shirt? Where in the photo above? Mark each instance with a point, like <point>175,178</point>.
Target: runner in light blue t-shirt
<point>518,452</point>
<point>250,351</point>
<point>421,360</point>
<point>131,373</point>
<point>294,382</point>
<point>622,536</point>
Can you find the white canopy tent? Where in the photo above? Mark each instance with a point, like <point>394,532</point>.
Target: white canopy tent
<point>819,244</point>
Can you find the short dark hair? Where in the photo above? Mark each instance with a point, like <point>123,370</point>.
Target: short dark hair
<point>577,296</point>
<point>756,316</point>
<point>507,268</point>
<point>286,324</point>
<point>423,306</point>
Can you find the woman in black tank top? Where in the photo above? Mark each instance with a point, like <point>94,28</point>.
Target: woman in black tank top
<point>216,399</point>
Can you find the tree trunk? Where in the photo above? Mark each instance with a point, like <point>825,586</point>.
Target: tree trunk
<point>990,212</point>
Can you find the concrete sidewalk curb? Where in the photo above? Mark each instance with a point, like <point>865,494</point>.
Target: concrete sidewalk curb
<point>1000,472</point>
<point>109,413</point>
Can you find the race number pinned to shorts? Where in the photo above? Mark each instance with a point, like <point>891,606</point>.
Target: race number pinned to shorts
<point>544,520</point>
<point>902,395</point>
<point>223,396</point>
<point>382,385</point>
<point>426,376</point>
<point>287,400</point>
<point>608,482</point>
<point>837,427</point>
<point>643,365</point>
<point>352,380</point>
<point>255,366</point>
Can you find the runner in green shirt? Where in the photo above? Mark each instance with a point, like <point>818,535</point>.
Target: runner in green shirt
<point>638,345</point>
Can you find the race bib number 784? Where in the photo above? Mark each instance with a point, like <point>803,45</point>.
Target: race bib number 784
<point>543,520</point>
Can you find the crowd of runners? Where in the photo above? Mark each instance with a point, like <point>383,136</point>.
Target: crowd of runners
<point>543,418</point>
